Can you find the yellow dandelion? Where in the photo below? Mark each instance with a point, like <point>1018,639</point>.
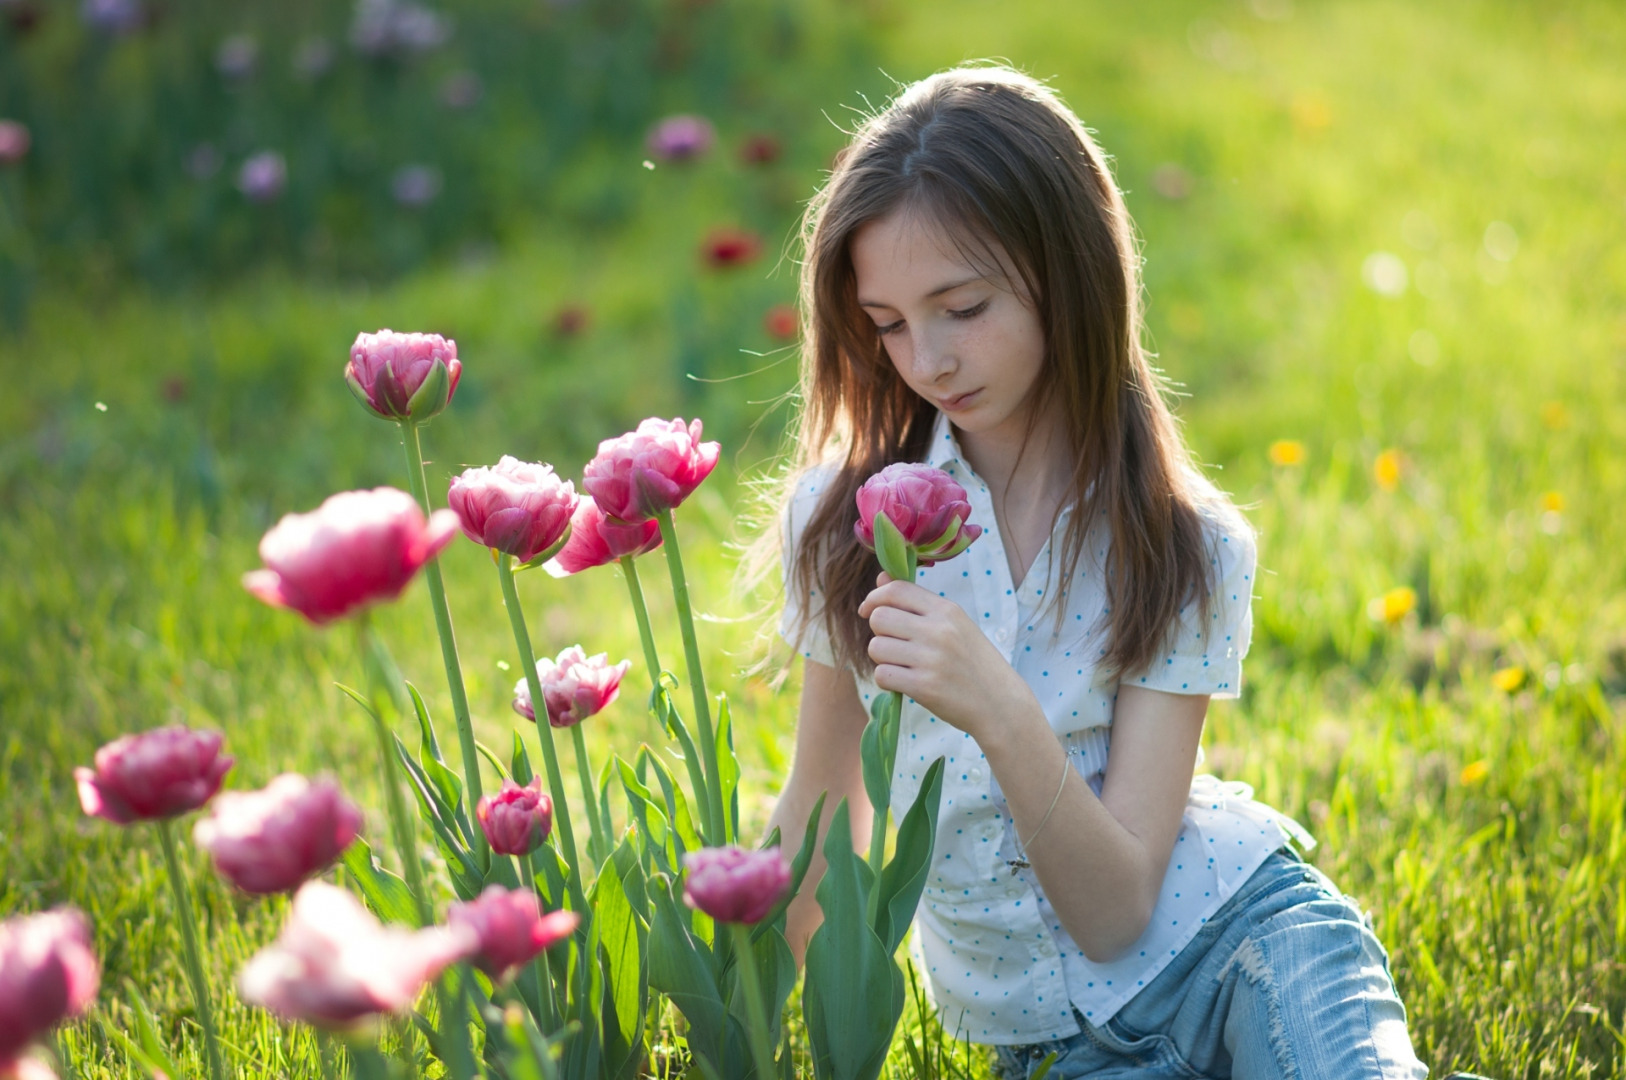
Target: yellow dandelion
<point>1386,469</point>
<point>1287,453</point>
<point>1508,679</point>
<point>1554,415</point>
<point>1553,502</point>
<point>1474,771</point>
<point>1393,605</point>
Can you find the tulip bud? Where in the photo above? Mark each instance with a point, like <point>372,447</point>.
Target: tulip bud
<point>516,820</point>
<point>161,773</point>
<point>510,927</point>
<point>596,540</point>
<point>403,376</point>
<point>48,974</point>
<point>358,547</point>
<point>270,841</point>
<point>734,885</point>
<point>917,507</point>
<point>639,474</point>
<point>520,509</point>
<point>574,687</point>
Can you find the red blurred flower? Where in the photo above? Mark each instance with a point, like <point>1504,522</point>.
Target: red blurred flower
<point>656,467</point>
<point>516,507</point>
<point>511,928</point>
<point>270,841</point>
<point>734,885</point>
<point>760,149</point>
<point>730,247</point>
<point>161,773</point>
<point>358,547</point>
<point>781,321</point>
<point>48,974</point>
<point>571,320</point>
<point>574,687</point>
<point>516,820</point>
<point>596,540</point>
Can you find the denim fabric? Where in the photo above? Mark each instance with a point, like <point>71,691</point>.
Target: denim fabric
<point>1285,982</point>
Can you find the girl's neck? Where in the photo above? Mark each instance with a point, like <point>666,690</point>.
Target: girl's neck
<point>1028,482</point>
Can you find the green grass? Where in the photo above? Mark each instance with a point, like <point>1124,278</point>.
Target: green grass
<point>1499,889</point>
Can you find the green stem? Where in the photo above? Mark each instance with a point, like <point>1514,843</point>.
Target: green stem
<point>448,640</point>
<point>378,663</point>
<point>640,611</point>
<point>550,755</point>
<point>597,842</point>
<point>745,962</point>
<point>544,976</point>
<point>194,957</point>
<point>716,827</point>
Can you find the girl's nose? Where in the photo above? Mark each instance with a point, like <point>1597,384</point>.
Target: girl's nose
<point>931,360</point>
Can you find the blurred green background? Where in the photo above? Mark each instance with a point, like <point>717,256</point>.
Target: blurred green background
<point>1385,276</point>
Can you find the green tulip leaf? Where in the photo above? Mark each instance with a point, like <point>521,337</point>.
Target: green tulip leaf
<point>904,878</point>
<point>892,549</point>
<point>382,891</point>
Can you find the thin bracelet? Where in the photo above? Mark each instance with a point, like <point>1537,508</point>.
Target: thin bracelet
<point>1021,861</point>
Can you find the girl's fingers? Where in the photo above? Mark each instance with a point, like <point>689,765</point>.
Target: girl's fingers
<point>905,595</point>
<point>895,622</point>
<point>891,650</point>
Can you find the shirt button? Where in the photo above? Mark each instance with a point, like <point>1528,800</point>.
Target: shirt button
<point>1047,948</point>
<point>975,774</point>
<point>1002,636</point>
<point>1013,891</point>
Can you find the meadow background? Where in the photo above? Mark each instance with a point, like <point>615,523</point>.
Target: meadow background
<point>1385,276</point>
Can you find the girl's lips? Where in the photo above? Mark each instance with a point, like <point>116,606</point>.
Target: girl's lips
<point>954,404</point>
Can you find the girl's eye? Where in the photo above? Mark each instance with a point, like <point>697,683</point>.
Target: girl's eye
<point>971,312</point>
<point>889,328</point>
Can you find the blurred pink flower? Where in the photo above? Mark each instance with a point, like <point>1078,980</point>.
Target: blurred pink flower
<point>925,503</point>
<point>681,138</point>
<point>358,547</point>
<point>335,965</point>
<point>574,687</point>
<point>271,840</point>
<point>596,540</point>
<point>263,176</point>
<point>511,928</point>
<point>516,507</point>
<point>403,376</point>
<point>161,773</point>
<point>48,974</point>
<point>516,820</point>
<point>14,142</point>
<point>734,885</point>
<point>724,248</point>
<point>654,468</point>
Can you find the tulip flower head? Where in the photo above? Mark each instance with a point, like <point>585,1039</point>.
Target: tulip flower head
<point>155,774</point>
<point>733,884</point>
<point>516,820</point>
<point>596,539</point>
<point>48,974</point>
<point>514,507</point>
<point>270,841</point>
<point>335,965</point>
<point>403,376</point>
<point>357,548</point>
<point>921,505</point>
<point>574,687</point>
<point>637,475</point>
<point>510,927</point>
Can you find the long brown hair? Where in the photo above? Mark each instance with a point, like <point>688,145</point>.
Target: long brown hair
<point>995,157</point>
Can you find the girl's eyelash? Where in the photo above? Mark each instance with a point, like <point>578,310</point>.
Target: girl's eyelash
<point>967,313</point>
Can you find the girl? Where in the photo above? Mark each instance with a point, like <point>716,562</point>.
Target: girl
<point>974,303</point>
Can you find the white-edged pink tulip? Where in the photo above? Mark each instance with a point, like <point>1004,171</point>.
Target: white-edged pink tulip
<point>596,540</point>
<point>271,840</point>
<point>511,928</point>
<point>649,470</point>
<point>357,548</point>
<point>516,820</point>
<point>161,773</point>
<point>48,974</point>
<point>574,686</point>
<point>516,507</point>
<point>926,505</point>
<point>403,376</point>
<point>733,884</point>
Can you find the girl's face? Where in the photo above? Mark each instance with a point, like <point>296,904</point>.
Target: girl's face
<point>966,338</point>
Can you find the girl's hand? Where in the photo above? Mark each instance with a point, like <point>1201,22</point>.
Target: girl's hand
<point>928,648</point>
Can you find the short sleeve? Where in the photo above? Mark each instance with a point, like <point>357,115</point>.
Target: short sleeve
<point>1204,655</point>
<point>802,623</point>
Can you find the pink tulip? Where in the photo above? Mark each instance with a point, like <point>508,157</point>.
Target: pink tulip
<point>517,819</point>
<point>271,840</point>
<point>403,376</point>
<point>925,504</point>
<point>511,928</point>
<point>649,470</point>
<point>335,965</point>
<point>574,687</point>
<point>48,974</point>
<point>734,885</point>
<point>161,773</point>
<point>356,548</point>
<point>680,138</point>
<point>596,540</point>
<point>514,507</point>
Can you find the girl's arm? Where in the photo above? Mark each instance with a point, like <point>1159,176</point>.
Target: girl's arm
<point>828,731</point>
<point>1101,860</point>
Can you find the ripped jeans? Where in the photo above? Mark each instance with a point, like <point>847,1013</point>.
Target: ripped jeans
<point>1285,982</point>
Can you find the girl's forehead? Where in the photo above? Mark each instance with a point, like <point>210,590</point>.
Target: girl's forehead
<point>916,255</point>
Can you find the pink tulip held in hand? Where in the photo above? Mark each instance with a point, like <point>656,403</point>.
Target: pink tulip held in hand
<point>151,775</point>
<point>926,506</point>
<point>48,974</point>
<point>733,884</point>
<point>596,540</point>
<point>575,686</point>
<point>357,548</point>
<point>514,507</point>
<point>516,820</point>
<point>408,377</point>
<point>653,469</point>
<point>269,841</point>
<point>334,965</point>
<point>510,927</point>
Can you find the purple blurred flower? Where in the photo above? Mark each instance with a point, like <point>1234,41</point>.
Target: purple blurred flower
<point>415,186</point>
<point>313,58</point>
<point>263,176</point>
<point>113,16</point>
<point>681,138</point>
<point>14,142</point>
<point>237,57</point>
<point>461,90</point>
<point>397,27</point>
